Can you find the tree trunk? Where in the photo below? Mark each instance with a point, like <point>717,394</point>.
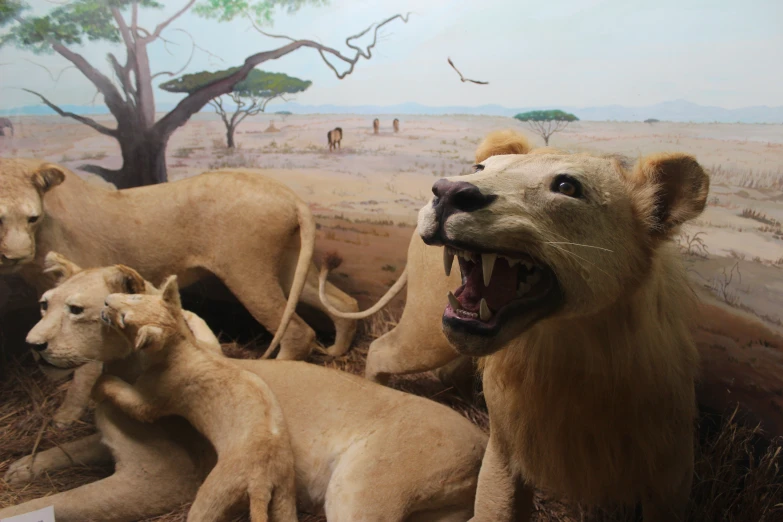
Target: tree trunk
<point>230,137</point>
<point>546,141</point>
<point>143,160</point>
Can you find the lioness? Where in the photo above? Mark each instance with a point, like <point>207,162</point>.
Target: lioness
<point>238,225</point>
<point>361,451</point>
<point>231,407</point>
<point>376,125</point>
<point>396,125</point>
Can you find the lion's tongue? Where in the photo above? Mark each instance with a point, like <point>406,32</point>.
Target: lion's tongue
<point>501,290</point>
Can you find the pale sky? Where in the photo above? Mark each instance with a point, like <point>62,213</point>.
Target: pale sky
<point>575,53</point>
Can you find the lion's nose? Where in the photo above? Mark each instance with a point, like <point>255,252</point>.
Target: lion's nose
<point>39,347</point>
<point>451,196</point>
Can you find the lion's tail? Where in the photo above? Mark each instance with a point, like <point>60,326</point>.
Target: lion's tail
<point>390,294</point>
<point>307,240</point>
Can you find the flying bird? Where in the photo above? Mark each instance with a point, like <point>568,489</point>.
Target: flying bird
<point>462,77</point>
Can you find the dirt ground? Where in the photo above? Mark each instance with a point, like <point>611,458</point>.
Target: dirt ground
<point>366,197</point>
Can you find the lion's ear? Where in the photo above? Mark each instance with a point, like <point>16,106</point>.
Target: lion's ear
<point>148,336</point>
<point>502,142</point>
<point>670,189</point>
<point>60,267</point>
<point>170,292</point>
<point>47,177</point>
<point>126,280</point>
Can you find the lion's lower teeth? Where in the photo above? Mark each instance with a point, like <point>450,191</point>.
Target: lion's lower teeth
<point>469,315</point>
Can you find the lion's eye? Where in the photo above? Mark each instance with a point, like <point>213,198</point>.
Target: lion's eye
<point>44,306</point>
<point>75,310</point>
<point>33,219</point>
<point>567,186</point>
<point>478,168</point>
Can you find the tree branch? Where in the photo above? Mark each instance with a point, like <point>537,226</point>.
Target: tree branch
<point>111,95</point>
<point>323,50</point>
<point>123,27</point>
<point>197,99</point>
<point>81,119</point>
<point>159,29</point>
<point>123,74</point>
<point>56,79</point>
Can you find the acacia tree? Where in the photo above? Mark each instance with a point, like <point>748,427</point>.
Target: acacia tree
<point>250,96</point>
<point>546,123</point>
<point>130,98</point>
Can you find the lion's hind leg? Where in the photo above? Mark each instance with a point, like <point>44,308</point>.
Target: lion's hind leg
<point>223,493</point>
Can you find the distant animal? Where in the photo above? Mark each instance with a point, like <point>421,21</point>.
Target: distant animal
<point>396,124</point>
<point>334,137</point>
<point>232,407</point>
<point>463,78</point>
<point>376,125</point>
<point>6,123</point>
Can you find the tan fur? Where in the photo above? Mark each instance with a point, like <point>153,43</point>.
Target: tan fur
<point>417,343</point>
<point>238,225</point>
<point>334,137</point>
<point>362,452</point>
<point>233,408</point>
<point>596,401</point>
<point>396,125</point>
<point>376,125</point>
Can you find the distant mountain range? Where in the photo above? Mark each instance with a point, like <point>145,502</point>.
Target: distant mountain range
<point>677,111</point>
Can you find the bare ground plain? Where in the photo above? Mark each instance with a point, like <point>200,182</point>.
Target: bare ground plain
<point>366,196</point>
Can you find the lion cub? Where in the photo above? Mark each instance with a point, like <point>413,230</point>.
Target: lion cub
<point>233,408</point>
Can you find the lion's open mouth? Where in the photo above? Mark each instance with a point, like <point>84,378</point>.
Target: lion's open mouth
<point>496,288</point>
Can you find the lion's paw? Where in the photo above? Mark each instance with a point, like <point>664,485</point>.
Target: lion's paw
<point>66,416</point>
<point>21,471</point>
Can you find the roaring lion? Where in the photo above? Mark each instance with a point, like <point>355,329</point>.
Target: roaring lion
<point>361,451</point>
<point>233,408</point>
<point>334,137</point>
<point>253,233</point>
<point>376,125</point>
<point>573,297</point>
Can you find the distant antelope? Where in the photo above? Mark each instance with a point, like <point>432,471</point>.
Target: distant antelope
<point>376,125</point>
<point>396,125</point>
<point>334,137</point>
<point>6,123</point>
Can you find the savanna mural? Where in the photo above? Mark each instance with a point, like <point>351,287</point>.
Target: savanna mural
<point>137,93</point>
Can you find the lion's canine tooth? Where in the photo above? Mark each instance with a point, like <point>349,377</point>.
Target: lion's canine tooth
<point>487,264</point>
<point>448,260</point>
<point>454,302</point>
<point>484,312</point>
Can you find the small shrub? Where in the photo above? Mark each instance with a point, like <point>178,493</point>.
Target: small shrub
<point>750,213</point>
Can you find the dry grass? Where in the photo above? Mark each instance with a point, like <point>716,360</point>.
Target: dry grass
<point>737,475</point>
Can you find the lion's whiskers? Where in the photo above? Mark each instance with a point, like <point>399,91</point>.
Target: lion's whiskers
<point>578,244</point>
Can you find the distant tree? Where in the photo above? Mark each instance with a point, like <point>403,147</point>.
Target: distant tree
<point>651,121</point>
<point>546,123</point>
<point>66,26</point>
<point>250,96</point>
